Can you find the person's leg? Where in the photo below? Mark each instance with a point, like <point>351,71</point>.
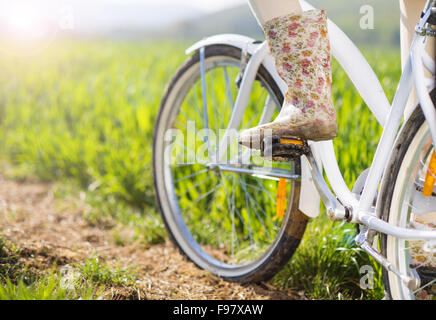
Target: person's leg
<point>266,10</point>
<point>299,44</point>
<point>410,14</point>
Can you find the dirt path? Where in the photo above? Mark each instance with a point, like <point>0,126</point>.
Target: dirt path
<point>47,232</point>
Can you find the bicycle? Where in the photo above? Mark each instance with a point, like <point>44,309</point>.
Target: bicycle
<point>242,217</point>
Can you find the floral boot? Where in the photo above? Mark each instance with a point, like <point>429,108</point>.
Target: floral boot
<point>301,50</point>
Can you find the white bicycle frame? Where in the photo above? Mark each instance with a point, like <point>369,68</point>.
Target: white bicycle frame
<point>340,202</point>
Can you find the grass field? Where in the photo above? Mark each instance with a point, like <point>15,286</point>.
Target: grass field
<point>83,113</point>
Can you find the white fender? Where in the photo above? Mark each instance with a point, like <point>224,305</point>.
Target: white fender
<point>309,198</point>
<point>243,43</point>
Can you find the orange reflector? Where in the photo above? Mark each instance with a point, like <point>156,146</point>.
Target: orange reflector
<point>291,141</point>
<point>281,198</point>
<point>430,177</point>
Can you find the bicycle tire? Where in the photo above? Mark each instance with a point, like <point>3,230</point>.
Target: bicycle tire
<point>389,189</point>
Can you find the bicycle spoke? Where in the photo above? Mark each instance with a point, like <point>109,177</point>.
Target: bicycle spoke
<point>192,175</point>
<point>202,197</point>
<point>228,88</point>
<point>215,106</point>
<point>428,170</point>
<point>238,213</point>
<point>195,105</point>
<point>260,189</point>
<point>256,113</point>
<point>195,186</point>
<point>266,216</point>
<point>191,153</point>
<point>425,286</point>
<point>249,222</point>
<point>232,213</point>
<point>257,214</point>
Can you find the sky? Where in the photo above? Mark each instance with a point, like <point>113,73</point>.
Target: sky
<point>33,18</point>
<point>112,11</point>
<point>205,5</point>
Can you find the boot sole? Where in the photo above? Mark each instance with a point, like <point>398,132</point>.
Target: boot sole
<point>283,148</point>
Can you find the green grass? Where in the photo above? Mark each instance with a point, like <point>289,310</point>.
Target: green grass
<point>19,281</point>
<point>83,112</point>
<point>328,264</point>
<point>98,273</point>
<point>48,287</point>
<point>88,280</point>
<point>9,267</point>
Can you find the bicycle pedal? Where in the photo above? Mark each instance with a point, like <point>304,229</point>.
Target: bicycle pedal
<point>283,148</point>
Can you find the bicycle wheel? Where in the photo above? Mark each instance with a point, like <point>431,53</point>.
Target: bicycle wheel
<point>224,220</point>
<point>402,205</point>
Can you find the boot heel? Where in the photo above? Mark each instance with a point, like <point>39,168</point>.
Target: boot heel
<point>283,148</point>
